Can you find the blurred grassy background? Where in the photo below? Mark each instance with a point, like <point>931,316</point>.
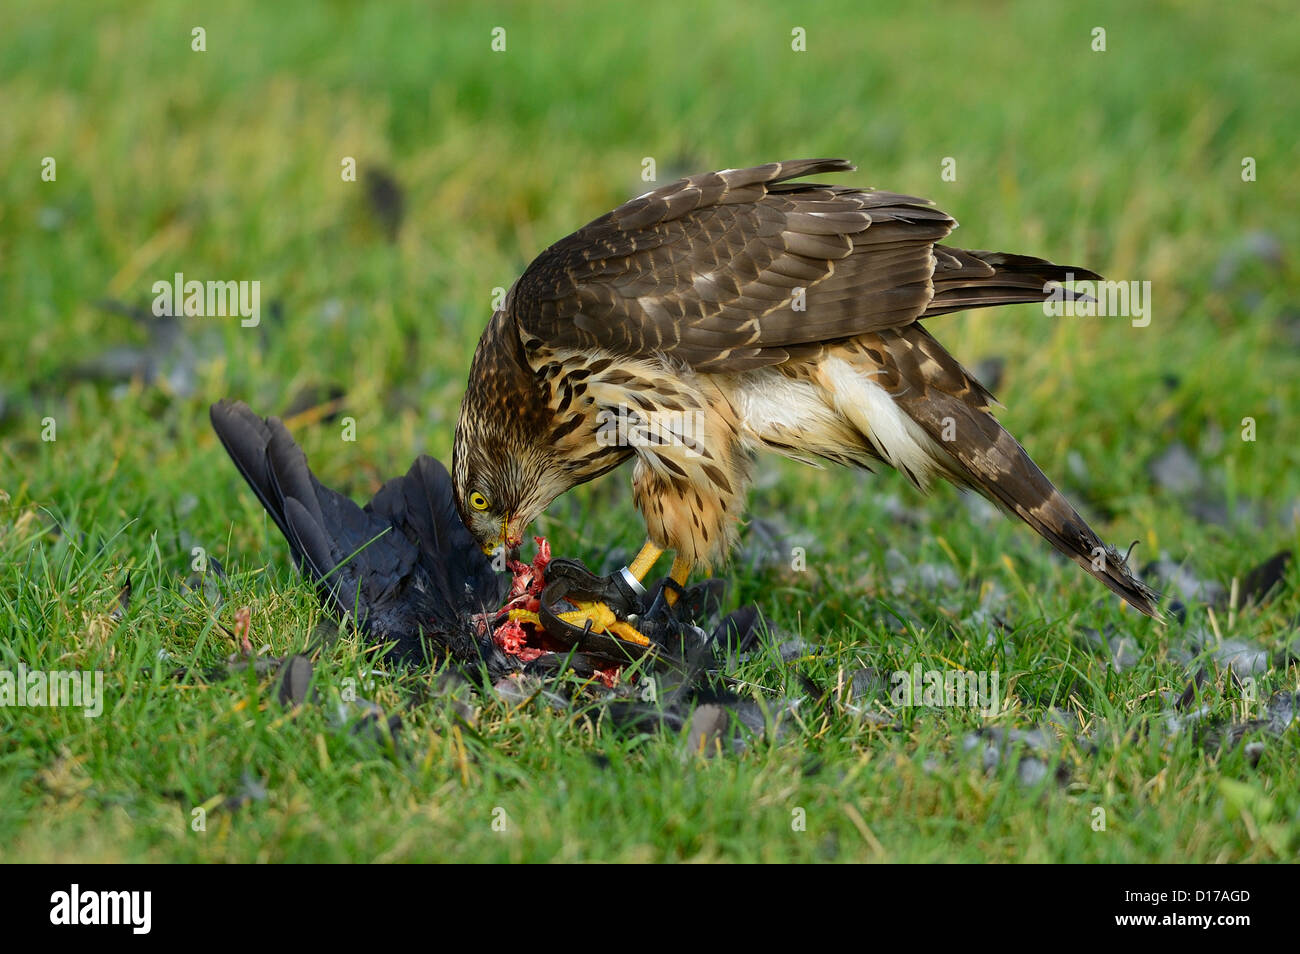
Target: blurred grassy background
<point>225,164</point>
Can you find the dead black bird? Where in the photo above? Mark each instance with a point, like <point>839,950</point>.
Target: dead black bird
<point>409,572</point>
<point>404,566</point>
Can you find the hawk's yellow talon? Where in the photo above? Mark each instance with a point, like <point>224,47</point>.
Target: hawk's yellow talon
<point>602,620</point>
<point>600,615</point>
<point>628,633</point>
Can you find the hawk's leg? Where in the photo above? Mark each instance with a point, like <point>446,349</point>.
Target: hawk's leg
<point>644,560</point>
<point>690,473</point>
<point>650,552</point>
<point>680,573</point>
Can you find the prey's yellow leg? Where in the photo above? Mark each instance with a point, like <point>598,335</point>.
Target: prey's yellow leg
<point>525,616</point>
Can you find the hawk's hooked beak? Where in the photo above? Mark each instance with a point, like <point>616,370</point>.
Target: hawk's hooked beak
<point>508,540</point>
<point>512,534</point>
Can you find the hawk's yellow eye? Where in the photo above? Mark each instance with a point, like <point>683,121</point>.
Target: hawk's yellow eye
<point>478,501</point>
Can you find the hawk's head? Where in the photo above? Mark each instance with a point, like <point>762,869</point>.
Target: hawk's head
<point>505,469</point>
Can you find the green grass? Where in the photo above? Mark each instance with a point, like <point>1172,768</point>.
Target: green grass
<point>226,164</point>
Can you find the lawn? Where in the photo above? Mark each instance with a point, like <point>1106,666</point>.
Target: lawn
<point>1169,157</point>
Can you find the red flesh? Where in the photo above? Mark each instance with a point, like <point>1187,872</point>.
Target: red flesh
<point>523,639</point>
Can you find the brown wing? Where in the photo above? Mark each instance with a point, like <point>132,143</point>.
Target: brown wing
<point>706,270</point>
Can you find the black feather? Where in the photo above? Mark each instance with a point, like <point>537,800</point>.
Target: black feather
<point>404,567</point>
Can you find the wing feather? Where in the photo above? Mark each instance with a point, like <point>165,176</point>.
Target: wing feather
<point>734,270</point>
